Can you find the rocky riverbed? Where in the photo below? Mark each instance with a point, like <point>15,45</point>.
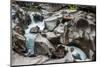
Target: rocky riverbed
<point>44,33</point>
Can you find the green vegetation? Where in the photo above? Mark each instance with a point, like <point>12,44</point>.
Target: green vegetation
<point>72,7</point>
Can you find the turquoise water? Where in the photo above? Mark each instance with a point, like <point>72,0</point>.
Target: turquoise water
<point>30,37</point>
<point>78,53</point>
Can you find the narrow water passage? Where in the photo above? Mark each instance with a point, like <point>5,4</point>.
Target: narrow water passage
<point>30,37</point>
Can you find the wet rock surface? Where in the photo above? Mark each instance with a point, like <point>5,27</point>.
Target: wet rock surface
<point>52,33</point>
<point>34,29</point>
<point>38,18</point>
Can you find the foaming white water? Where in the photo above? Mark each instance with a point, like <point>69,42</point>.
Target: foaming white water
<point>30,37</point>
<point>80,52</point>
<point>34,24</point>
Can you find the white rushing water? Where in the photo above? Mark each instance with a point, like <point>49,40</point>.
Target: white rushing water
<point>78,51</point>
<point>30,37</point>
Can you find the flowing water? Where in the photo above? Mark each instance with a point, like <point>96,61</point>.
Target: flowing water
<point>30,37</point>
<point>79,52</point>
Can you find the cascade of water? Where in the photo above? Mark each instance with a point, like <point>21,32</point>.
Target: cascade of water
<point>30,37</point>
<point>78,53</point>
